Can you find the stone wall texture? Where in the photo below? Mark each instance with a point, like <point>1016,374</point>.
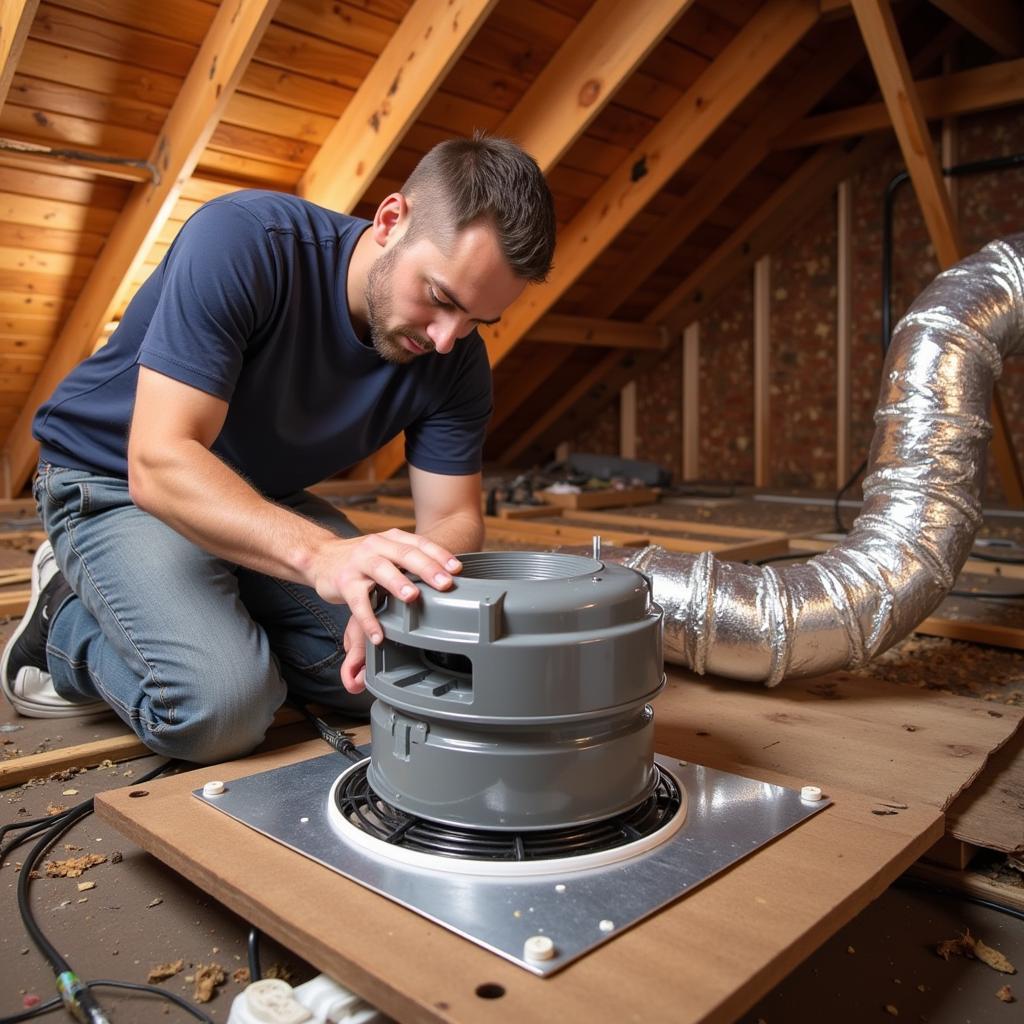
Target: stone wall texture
<point>803,330</point>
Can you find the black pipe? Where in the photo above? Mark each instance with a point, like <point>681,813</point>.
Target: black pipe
<point>960,170</point>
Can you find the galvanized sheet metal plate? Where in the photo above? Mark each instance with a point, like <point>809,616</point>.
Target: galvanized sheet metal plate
<point>727,818</point>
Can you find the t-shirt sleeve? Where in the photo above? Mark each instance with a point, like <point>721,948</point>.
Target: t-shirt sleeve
<point>451,439</point>
<point>217,289</point>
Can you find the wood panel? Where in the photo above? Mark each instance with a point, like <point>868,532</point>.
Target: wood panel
<point>16,17</point>
<point>732,939</point>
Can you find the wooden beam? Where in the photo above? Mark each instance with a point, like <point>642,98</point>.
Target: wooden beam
<point>556,409</point>
<point>412,65</point>
<point>572,90</point>
<point>691,401</point>
<point>878,29</point>
<point>16,17</point>
<point>759,46</point>
<point>881,38</point>
<point>762,370</point>
<point>844,326</point>
<point>679,218</point>
<point>603,51</point>
<point>627,421</point>
<point>946,95</point>
<point>585,330</point>
<point>997,23</point>
<point>233,36</point>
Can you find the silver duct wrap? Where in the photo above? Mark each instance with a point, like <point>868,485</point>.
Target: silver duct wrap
<point>921,503</point>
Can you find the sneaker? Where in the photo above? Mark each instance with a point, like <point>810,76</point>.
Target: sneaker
<point>24,678</point>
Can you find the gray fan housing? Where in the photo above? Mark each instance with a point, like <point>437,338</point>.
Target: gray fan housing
<point>518,699</point>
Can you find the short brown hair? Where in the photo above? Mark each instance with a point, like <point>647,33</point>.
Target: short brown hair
<point>461,181</point>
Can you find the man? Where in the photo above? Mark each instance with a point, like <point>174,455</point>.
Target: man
<point>193,584</point>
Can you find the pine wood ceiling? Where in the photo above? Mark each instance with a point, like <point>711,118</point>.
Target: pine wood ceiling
<point>666,184</point>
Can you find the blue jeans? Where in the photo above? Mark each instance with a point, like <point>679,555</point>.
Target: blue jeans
<point>193,652</point>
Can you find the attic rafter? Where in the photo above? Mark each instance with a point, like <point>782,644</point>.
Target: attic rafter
<point>588,330</point>
<point>759,46</point>
<point>882,40</point>
<point>233,36</point>
<point>997,23</point>
<point>729,170</point>
<point>600,54</point>
<point>995,85</point>
<point>16,18</point>
<point>408,71</point>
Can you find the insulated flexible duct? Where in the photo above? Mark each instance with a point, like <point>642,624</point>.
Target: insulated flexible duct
<point>921,503</point>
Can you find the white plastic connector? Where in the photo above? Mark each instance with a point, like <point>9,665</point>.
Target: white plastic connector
<point>539,947</point>
<point>270,1001</point>
<point>330,1002</point>
<point>214,788</point>
<point>810,793</point>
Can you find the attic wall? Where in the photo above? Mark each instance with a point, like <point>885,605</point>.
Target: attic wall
<point>803,317</point>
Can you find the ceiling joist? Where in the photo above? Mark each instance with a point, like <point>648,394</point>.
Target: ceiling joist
<point>15,20</point>
<point>963,92</point>
<point>401,82</point>
<point>233,35</point>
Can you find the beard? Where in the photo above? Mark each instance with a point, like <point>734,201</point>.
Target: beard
<point>387,341</point>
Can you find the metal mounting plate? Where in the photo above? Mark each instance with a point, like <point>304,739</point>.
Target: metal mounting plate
<point>728,817</point>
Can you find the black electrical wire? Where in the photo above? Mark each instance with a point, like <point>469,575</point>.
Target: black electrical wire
<point>255,970</point>
<point>134,986</point>
<point>335,737</point>
<point>73,992</point>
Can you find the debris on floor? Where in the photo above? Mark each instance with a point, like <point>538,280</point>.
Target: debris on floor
<point>1005,994</point>
<point>72,867</point>
<point>161,972</point>
<point>207,977</point>
<point>969,945</point>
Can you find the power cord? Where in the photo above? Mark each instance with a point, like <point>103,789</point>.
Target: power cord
<point>74,994</point>
<point>335,737</point>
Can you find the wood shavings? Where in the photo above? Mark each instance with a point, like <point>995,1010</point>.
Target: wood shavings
<point>72,867</point>
<point>240,976</point>
<point>154,903</point>
<point>86,886</point>
<point>161,972</point>
<point>280,971</point>
<point>1005,995</point>
<point>891,1010</point>
<point>70,792</point>
<point>207,978</point>
<point>52,809</point>
<point>968,945</point>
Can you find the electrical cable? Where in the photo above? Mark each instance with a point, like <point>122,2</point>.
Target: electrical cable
<point>255,970</point>
<point>73,992</point>
<point>335,737</point>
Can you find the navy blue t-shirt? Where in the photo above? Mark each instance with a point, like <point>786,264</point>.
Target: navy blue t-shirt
<point>250,305</point>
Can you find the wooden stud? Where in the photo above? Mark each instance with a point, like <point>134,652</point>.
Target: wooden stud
<point>962,92</point>
<point>16,17</point>
<point>233,36</point>
<point>627,421</point>
<point>844,325</point>
<point>402,80</point>
<point>997,23</point>
<point>691,401</point>
<point>762,371</point>
<point>585,330</point>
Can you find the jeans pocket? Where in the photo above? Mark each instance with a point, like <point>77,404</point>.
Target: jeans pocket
<point>100,494</point>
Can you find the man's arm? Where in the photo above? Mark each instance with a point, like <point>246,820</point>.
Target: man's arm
<point>447,513</point>
<point>173,475</point>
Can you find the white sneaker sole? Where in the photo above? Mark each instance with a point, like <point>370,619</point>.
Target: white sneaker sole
<point>34,708</point>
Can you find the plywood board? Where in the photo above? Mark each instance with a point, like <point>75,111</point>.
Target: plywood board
<point>705,958</point>
<point>608,498</point>
<point>901,745</point>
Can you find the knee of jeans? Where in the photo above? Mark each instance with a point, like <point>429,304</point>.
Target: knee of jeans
<point>232,719</point>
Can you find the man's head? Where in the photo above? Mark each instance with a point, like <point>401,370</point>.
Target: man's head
<point>473,224</point>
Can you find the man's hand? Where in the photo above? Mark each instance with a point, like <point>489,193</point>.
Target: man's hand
<point>346,571</point>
